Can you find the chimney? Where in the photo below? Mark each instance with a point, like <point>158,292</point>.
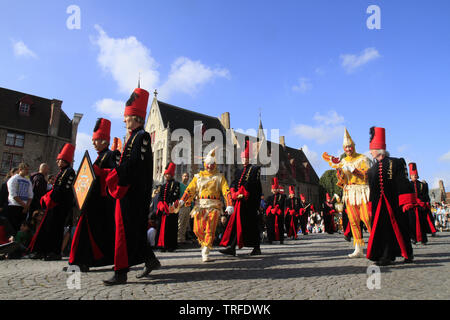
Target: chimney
<point>225,120</point>
<point>55,113</point>
<point>75,121</point>
<point>282,141</point>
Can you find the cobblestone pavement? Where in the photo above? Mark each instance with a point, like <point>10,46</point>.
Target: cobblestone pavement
<point>314,267</point>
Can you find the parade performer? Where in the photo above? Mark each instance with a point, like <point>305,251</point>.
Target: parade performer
<point>208,186</point>
<point>328,215</point>
<point>166,211</point>
<point>305,211</point>
<point>275,204</point>
<point>351,172</point>
<point>292,213</point>
<point>242,228</point>
<point>130,183</point>
<point>419,222</point>
<point>93,240</point>
<point>391,196</point>
<point>58,203</point>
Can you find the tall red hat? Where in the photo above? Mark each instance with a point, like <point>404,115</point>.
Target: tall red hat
<point>66,153</point>
<point>246,153</point>
<point>275,183</point>
<point>137,104</point>
<point>413,169</point>
<point>170,169</point>
<point>328,198</point>
<point>302,197</point>
<point>291,189</point>
<point>377,138</point>
<point>102,130</point>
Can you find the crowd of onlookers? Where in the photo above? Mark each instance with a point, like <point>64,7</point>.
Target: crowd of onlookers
<point>20,209</point>
<point>441,215</point>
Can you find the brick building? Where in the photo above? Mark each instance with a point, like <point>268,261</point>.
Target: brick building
<point>33,130</point>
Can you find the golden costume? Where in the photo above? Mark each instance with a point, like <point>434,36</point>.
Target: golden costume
<point>352,177</point>
<point>208,187</point>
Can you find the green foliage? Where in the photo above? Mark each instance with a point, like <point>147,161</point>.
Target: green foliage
<point>328,181</point>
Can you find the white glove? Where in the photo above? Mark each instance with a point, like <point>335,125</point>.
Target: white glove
<point>180,203</point>
<point>229,210</point>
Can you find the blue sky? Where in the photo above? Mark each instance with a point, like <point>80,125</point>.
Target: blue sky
<point>312,67</point>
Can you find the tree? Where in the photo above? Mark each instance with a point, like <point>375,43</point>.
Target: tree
<point>328,181</point>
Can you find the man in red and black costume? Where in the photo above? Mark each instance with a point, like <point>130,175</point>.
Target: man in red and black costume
<point>305,210</point>
<point>390,197</point>
<point>93,240</point>
<point>292,213</point>
<point>130,183</point>
<point>165,212</point>
<point>419,221</point>
<point>275,213</point>
<point>328,215</point>
<point>57,203</point>
<point>242,228</point>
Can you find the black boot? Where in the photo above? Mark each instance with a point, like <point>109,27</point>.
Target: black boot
<point>231,251</point>
<point>151,265</point>
<point>117,278</point>
<point>256,251</point>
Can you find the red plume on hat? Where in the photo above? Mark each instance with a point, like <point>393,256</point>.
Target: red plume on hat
<point>291,189</point>
<point>302,197</point>
<point>66,153</point>
<point>170,169</point>
<point>275,183</point>
<point>246,153</point>
<point>377,138</point>
<point>102,130</point>
<point>413,169</point>
<point>137,104</point>
<point>328,198</point>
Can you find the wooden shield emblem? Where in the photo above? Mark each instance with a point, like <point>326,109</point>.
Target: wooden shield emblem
<point>84,181</point>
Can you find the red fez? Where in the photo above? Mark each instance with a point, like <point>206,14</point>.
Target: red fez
<point>246,153</point>
<point>137,104</point>
<point>377,138</point>
<point>102,130</point>
<point>170,169</point>
<point>302,197</point>
<point>275,183</point>
<point>66,153</point>
<point>117,144</point>
<point>413,169</point>
<point>291,189</point>
<point>328,198</point>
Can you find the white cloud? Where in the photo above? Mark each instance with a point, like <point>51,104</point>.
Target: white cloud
<point>124,59</point>
<point>351,62</point>
<point>110,107</point>
<point>187,76</point>
<point>329,126</point>
<point>304,85</point>
<point>445,157</point>
<point>21,50</point>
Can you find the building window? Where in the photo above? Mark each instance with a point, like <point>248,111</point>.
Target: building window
<point>9,161</point>
<point>24,108</point>
<point>152,137</point>
<point>159,154</point>
<point>15,139</point>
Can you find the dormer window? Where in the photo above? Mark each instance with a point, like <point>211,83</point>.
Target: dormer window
<point>24,108</point>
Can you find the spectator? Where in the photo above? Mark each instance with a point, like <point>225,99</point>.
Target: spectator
<point>151,231</point>
<point>4,192</point>
<point>39,182</point>
<point>221,227</point>
<point>440,216</point>
<point>51,182</point>
<point>7,244</point>
<point>183,214</point>
<point>36,219</point>
<point>22,240</point>
<point>20,195</point>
